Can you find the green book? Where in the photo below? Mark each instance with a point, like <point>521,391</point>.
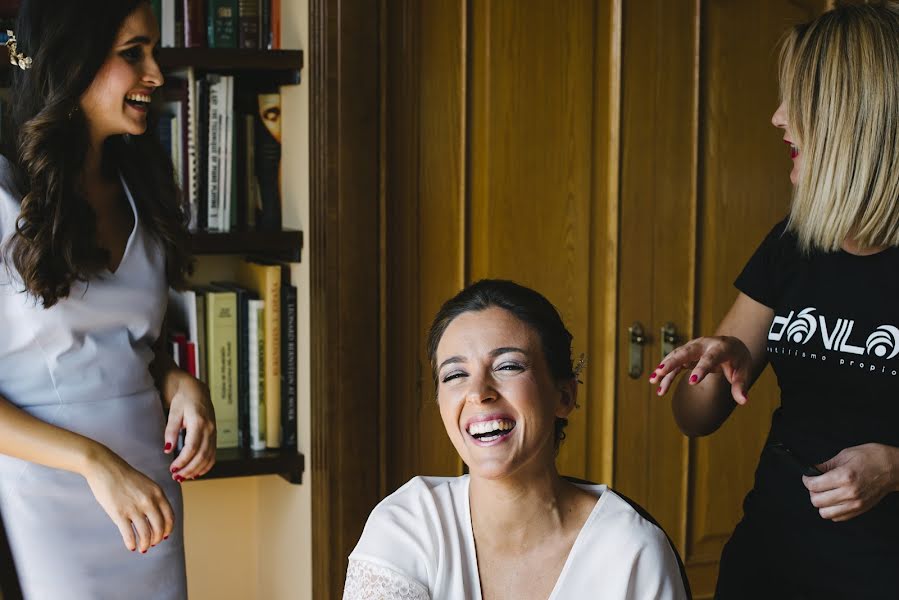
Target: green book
<point>221,368</point>
<point>222,23</point>
<point>156,5</point>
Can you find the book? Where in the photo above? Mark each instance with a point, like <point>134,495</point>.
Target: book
<point>289,365</point>
<point>243,358</point>
<point>214,153</point>
<point>222,23</point>
<point>203,153</point>
<point>194,24</point>
<point>256,335</point>
<point>201,334</point>
<point>248,24</point>
<point>156,5</point>
<point>268,161</point>
<point>265,24</point>
<point>167,23</point>
<point>227,156</point>
<point>221,331</point>
<point>276,24</point>
<point>253,197</point>
<point>265,280</point>
<point>183,314</point>
<point>179,24</point>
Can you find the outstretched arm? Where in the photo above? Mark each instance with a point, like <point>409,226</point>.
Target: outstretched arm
<point>722,368</point>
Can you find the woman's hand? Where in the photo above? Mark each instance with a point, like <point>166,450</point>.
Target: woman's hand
<point>132,500</point>
<point>190,408</point>
<point>854,481</point>
<point>722,354</point>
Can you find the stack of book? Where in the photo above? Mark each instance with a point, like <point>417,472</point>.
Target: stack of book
<point>240,338</point>
<point>253,24</point>
<point>225,144</point>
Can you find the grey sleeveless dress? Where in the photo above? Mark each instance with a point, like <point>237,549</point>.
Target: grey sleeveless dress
<point>83,365</point>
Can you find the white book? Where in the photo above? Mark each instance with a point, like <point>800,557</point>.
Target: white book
<point>176,353</point>
<point>183,310</point>
<point>257,392</point>
<point>213,222</point>
<point>175,124</point>
<point>193,186</point>
<point>227,141</point>
<point>168,23</point>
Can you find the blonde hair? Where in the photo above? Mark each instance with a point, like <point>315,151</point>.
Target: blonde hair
<point>839,76</point>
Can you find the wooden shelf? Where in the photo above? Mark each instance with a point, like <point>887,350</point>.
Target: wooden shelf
<point>236,462</point>
<point>285,246</point>
<point>276,66</point>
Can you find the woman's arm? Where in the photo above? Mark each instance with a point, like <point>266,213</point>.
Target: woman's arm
<point>132,500</point>
<point>723,368</point>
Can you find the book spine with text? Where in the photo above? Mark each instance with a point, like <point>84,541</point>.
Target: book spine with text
<point>216,99</point>
<point>248,24</point>
<point>265,279</point>
<point>256,334</point>
<point>222,24</point>
<point>221,328</point>
<point>289,365</point>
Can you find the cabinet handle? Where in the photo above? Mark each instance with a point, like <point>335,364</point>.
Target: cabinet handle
<point>636,340</point>
<point>669,338</point>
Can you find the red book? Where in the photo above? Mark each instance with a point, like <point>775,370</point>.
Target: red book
<point>181,342</point>
<point>194,24</point>
<point>191,366</point>
<point>276,24</point>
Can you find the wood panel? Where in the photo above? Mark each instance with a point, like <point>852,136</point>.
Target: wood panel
<point>745,190</point>
<point>531,161</point>
<point>658,184</point>
<point>344,250</point>
<point>425,200</point>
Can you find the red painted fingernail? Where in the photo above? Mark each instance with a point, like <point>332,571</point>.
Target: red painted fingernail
<point>143,551</point>
<point>659,391</point>
<point>653,376</point>
<point>661,366</point>
<point>694,378</point>
<point>168,446</point>
<point>175,469</point>
<point>165,537</point>
<point>178,478</point>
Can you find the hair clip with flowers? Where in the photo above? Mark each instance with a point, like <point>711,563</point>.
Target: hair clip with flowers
<point>15,57</point>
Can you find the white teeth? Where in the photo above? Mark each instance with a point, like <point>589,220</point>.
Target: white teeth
<point>138,98</point>
<point>488,426</point>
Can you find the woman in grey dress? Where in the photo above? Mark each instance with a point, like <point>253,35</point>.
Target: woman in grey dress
<point>92,233</point>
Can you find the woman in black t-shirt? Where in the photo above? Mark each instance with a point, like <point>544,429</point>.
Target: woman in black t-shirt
<point>819,300</point>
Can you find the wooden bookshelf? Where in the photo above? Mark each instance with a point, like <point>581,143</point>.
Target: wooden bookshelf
<point>236,462</point>
<point>281,67</point>
<point>284,246</point>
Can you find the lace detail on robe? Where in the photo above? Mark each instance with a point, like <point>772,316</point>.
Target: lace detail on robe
<point>368,581</point>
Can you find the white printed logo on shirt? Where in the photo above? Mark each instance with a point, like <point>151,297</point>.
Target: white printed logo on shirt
<point>836,336</point>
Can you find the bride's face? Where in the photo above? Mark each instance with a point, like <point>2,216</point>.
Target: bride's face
<point>497,397</point>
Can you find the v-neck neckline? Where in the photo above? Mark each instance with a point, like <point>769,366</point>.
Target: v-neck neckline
<point>133,233</point>
<point>578,541</point>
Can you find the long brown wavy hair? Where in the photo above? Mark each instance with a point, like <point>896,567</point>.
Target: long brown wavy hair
<point>55,242</point>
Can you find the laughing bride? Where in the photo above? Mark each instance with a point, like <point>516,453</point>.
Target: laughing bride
<point>512,527</point>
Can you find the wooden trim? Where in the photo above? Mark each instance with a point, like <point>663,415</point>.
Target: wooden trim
<point>343,250</point>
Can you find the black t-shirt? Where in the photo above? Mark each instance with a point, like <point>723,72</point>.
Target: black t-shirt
<point>833,344</point>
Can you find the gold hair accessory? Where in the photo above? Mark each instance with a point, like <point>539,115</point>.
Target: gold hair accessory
<point>579,366</point>
<point>16,58</point>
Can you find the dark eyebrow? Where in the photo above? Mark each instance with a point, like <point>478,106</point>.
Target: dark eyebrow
<point>493,353</point>
<point>138,39</point>
<point>506,350</point>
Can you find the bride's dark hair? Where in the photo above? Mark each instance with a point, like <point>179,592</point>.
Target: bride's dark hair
<point>54,244</point>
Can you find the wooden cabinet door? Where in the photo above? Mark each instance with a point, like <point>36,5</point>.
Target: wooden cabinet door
<point>704,176</point>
